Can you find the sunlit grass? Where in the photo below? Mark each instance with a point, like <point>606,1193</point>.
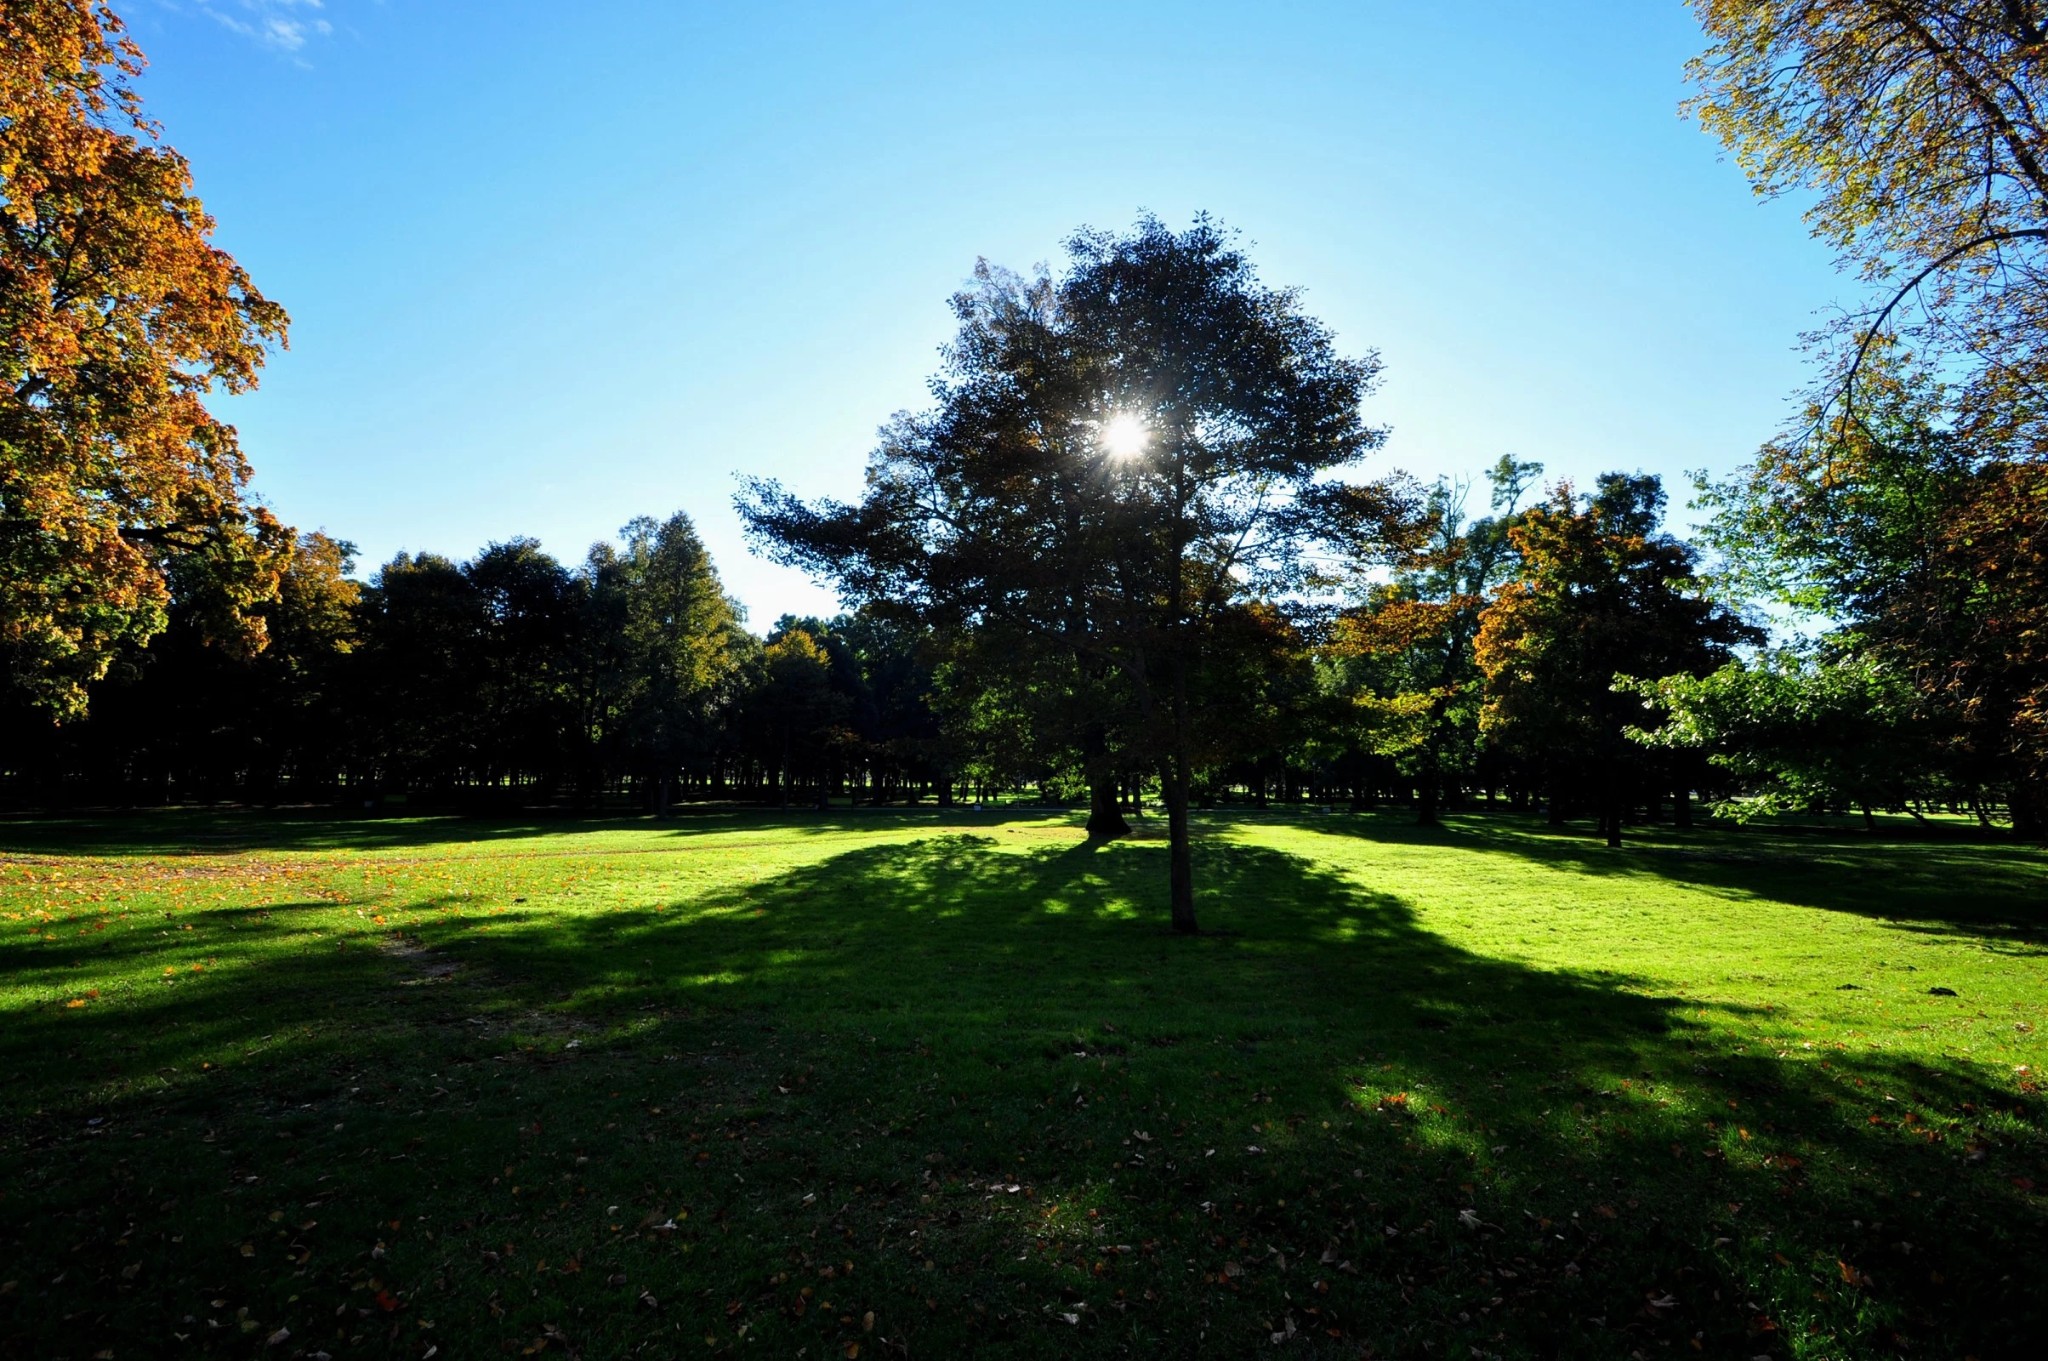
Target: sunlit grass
<point>1485,1087</point>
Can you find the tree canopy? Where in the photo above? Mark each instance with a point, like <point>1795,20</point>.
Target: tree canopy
<point>117,316</point>
<point>1918,127</point>
<point>1120,458</point>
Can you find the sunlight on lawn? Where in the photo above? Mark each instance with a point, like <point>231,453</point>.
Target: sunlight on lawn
<point>1404,1051</point>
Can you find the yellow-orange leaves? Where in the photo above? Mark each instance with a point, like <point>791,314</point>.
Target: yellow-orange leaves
<point>117,316</point>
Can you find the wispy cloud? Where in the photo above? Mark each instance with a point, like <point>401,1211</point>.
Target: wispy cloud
<point>286,25</point>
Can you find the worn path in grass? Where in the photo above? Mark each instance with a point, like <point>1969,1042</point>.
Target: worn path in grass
<point>914,1085</point>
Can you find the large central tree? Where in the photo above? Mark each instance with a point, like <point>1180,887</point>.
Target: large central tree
<point>1119,459</point>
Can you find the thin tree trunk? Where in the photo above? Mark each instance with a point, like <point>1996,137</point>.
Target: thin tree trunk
<point>1428,784</point>
<point>1180,856</point>
<point>1173,782</point>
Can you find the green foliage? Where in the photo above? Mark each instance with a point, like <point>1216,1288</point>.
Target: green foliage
<point>1927,550</point>
<point>665,647</point>
<point>1798,731</point>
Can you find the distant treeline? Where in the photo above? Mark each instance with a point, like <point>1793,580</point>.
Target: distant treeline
<point>1480,674</point>
<point>510,679</point>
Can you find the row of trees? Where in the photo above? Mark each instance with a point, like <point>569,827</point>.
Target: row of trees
<point>510,677</point>
<point>1482,665</point>
<point>1908,508</point>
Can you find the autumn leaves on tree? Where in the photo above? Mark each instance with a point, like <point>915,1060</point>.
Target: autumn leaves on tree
<point>117,316</point>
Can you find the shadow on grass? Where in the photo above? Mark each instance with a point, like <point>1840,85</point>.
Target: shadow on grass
<point>1330,1125</point>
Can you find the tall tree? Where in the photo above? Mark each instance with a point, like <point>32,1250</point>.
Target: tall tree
<point>1119,457</point>
<point>1418,696</point>
<point>673,638</point>
<point>792,709</point>
<point>993,515</point>
<point>524,659</point>
<point>1600,591</point>
<point>117,316</point>
<point>416,672</point>
<point>1919,128</point>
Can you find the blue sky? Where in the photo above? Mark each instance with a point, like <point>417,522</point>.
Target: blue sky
<point>551,266</point>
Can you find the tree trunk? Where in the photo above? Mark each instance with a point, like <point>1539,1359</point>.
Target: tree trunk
<point>1179,853</point>
<point>1426,796</point>
<point>1869,818</point>
<point>1105,819</point>
<point>1173,783</point>
<point>2029,816</point>
<point>1681,807</point>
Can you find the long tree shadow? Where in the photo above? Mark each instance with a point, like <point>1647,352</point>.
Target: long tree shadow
<point>1563,1096</point>
<point>978,1094</point>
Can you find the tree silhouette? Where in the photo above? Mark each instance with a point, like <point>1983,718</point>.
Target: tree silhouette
<point>1118,459</point>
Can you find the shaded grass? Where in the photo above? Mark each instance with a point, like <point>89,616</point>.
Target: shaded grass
<point>636,1088</point>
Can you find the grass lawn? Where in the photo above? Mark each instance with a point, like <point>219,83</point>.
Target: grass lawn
<point>905,1084</point>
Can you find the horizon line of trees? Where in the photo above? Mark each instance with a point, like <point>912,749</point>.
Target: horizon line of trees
<point>1560,656</point>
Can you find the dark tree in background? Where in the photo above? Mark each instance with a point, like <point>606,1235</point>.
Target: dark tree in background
<point>1118,460</point>
<point>666,650</point>
<point>990,521</point>
<point>1600,592</point>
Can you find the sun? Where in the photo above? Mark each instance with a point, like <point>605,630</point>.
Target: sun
<point>1123,436</point>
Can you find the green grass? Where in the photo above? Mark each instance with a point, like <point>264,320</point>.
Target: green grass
<point>920,1085</point>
